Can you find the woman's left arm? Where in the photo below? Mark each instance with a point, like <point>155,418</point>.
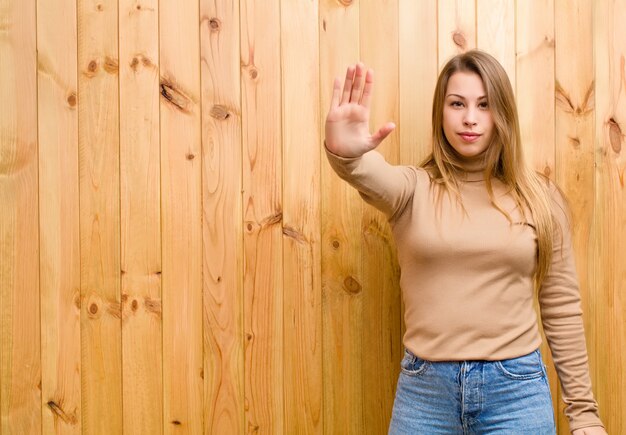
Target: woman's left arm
<point>561,316</point>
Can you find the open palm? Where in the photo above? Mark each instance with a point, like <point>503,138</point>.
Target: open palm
<point>347,122</point>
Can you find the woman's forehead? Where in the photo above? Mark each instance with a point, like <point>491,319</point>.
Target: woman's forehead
<point>466,85</point>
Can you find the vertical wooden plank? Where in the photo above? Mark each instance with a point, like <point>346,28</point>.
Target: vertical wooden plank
<point>535,104</point>
<point>609,305</point>
<point>535,83</point>
<point>59,217</point>
<point>456,27</point>
<point>418,76</point>
<point>20,357</point>
<point>301,217</point>
<point>140,217</point>
<point>181,208</point>
<point>575,114</point>
<point>98,143</point>
<point>342,277</point>
<point>381,291</point>
<point>262,208</point>
<point>222,226</point>
<point>495,32</point>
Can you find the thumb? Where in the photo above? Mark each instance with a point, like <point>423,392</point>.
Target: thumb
<point>382,133</point>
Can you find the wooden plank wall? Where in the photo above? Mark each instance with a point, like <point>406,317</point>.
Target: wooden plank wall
<point>176,255</point>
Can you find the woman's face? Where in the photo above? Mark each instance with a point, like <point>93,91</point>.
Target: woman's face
<point>467,120</point>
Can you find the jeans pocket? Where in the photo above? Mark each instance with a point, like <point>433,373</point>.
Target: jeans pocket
<point>522,367</point>
<point>413,365</point>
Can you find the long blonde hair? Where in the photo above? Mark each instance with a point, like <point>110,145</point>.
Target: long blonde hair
<point>504,157</point>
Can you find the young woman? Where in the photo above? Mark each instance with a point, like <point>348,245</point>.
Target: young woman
<point>477,231</point>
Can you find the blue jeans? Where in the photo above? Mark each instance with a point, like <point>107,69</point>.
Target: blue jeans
<point>510,396</point>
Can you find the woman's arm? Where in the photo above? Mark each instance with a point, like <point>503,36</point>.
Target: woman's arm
<point>387,187</point>
<point>561,315</point>
<point>350,147</point>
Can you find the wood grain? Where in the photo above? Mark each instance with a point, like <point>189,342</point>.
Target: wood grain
<point>535,83</point>
<point>20,356</point>
<point>181,213</point>
<point>263,216</point>
<point>575,113</point>
<point>301,217</point>
<point>59,218</point>
<point>342,273</point>
<point>382,347</point>
<point>495,20</point>
<point>418,76</point>
<point>456,21</point>
<point>608,336</point>
<point>222,226</point>
<point>98,149</point>
<point>140,213</point>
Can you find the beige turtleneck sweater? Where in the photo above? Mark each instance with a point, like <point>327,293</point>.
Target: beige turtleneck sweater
<point>467,280</point>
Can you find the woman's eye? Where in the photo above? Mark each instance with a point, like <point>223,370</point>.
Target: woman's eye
<point>483,105</point>
<point>456,104</point>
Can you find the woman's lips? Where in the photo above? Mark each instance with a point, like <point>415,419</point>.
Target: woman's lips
<point>469,137</point>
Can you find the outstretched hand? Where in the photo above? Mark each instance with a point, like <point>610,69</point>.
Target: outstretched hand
<point>347,122</point>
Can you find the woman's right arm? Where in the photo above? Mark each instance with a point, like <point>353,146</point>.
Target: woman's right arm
<point>350,147</point>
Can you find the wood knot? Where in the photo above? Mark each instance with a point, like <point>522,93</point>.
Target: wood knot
<point>99,7</point>
<point>93,308</point>
<point>351,285</point>
<point>335,244</point>
<point>176,423</point>
<point>110,65</point>
<point>219,112</point>
<point>92,67</point>
<point>191,156</point>
<point>134,63</point>
<point>152,305</point>
<point>254,73</point>
<point>575,141</point>
<point>134,305</point>
<point>214,24</point>
<point>345,3</point>
<point>547,171</point>
<point>459,39</point>
<point>175,96</point>
<point>138,7</point>
<point>71,99</point>
<point>615,135</point>
<point>249,226</point>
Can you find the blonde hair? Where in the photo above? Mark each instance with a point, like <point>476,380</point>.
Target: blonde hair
<point>504,157</point>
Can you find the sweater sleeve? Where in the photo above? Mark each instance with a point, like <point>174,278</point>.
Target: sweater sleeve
<point>387,187</point>
<point>561,316</point>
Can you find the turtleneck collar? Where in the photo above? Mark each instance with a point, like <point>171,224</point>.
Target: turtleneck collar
<point>472,169</point>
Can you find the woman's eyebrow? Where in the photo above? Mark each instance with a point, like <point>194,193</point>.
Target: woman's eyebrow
<point>463,98</point>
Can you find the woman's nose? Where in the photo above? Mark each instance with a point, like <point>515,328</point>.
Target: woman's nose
<point>470,118</point>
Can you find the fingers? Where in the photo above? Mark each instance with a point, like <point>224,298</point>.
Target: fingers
<point>336,93</point>
<point>367,91</point>
<point>347,86</point>
<point>353,91</point>
<point>382,133</point>
<point>355,95</point>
